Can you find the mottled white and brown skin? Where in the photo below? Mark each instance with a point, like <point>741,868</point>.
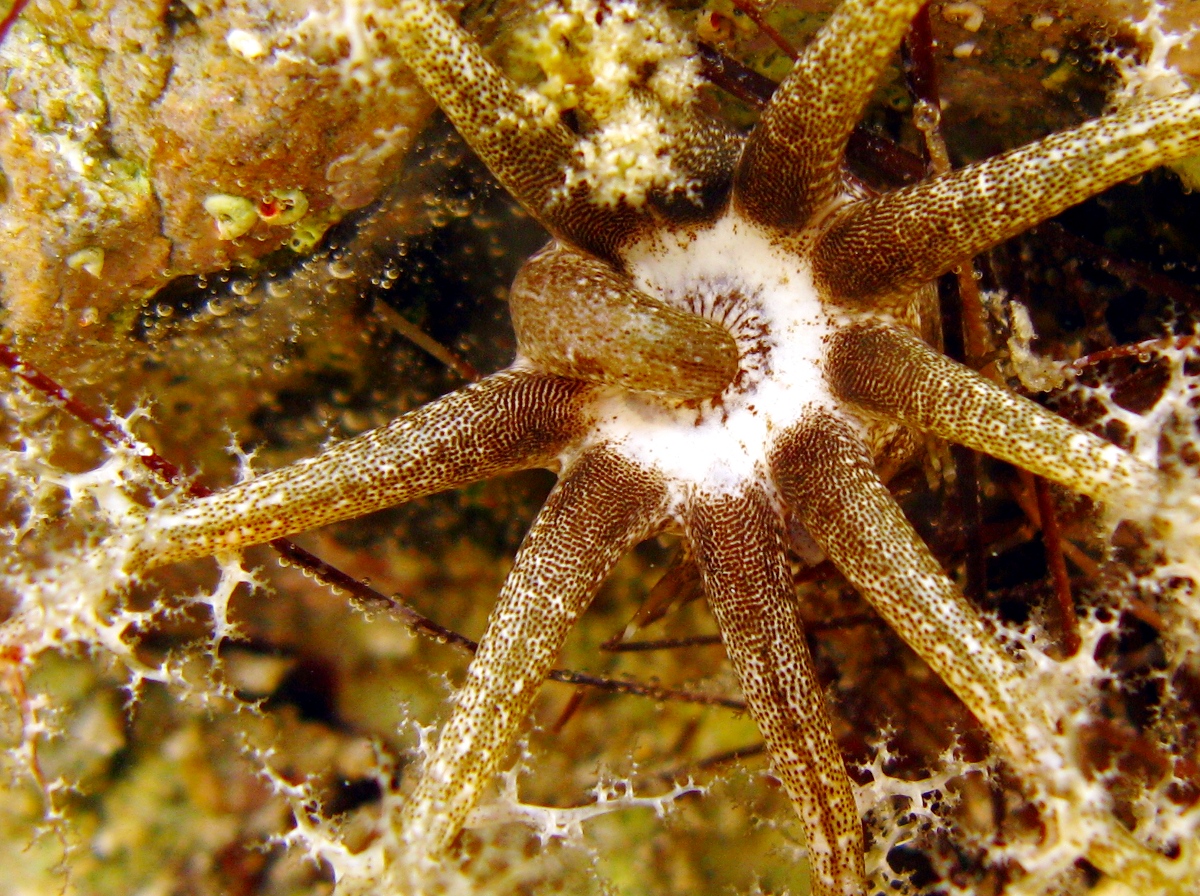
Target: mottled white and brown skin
<point>711,370</point>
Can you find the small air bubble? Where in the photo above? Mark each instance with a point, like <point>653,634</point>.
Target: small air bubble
<point>340,270</point>
<point>459,207</point>
<point>926,116</point>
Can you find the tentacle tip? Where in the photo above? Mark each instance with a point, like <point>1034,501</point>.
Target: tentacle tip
<point>714,365</point>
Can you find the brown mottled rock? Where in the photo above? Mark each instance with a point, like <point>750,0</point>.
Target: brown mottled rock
<point>120,118</point>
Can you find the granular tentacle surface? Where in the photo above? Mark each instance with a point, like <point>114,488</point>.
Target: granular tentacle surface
<point>798,147</point>
<point>893,243</point>
<point>615,333</point>
<point>888,371</point>
<point>824,470</point>
<point>602,507</point>
<point>738,544</point>
<point>527,148</point>
<point>513,420</point>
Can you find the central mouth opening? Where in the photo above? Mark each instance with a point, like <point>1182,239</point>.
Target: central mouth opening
<point>742,315</point>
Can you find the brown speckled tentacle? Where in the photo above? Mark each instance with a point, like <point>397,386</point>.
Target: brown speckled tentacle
<point>528,153</point>
<point>739,547</point>
<point>513,420</point>
<point>574,315</point>
<point>889,371</point>
<point>827,475</point>
<point>792,164</point>
<point>893,243</point>
<point>706,154</point>
<point>602,507</point>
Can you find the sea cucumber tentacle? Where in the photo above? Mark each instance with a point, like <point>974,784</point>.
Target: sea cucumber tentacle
<point>739,547</point>
<point>888,245</point>
<point>576,316</point>
<point>889,371</point>
<point>792,164</point>
<point>825,473</point>
<point>602,506</point>
<point>528,152</point>
<point>706,153</point>
<point>512,420</point>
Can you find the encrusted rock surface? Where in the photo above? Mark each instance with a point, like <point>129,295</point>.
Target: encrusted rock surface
<point>120,118</point>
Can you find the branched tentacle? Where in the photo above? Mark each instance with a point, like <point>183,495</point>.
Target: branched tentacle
<point>890,372</point>
<point>513,420</point>
<point>792,164</point>
<point>825,473</point>
<point>602,506</point>
<point>610,331</point>
<point>738,544</point>
<point>889,245</point>
<point>527,152</point>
